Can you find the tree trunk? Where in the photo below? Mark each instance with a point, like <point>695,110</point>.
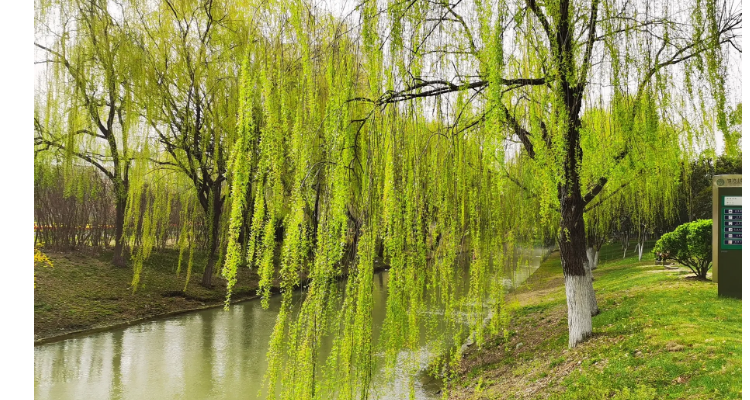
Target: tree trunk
<point>579,289</point>
<point>596,260</point>
<point>593,305</point>
<point>215,219</point>
<point>579,308</point>
<point>625,243</point>
<point>642,237</point>
<point>118,259</point>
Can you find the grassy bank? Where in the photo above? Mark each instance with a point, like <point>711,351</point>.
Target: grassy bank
<point>83,291</point>
<point>660,335</point>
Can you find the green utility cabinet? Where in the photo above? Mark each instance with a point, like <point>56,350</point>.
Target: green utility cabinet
<point>727,235</point>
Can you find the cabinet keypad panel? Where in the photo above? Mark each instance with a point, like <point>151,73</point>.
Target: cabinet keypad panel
<point>731,219</point>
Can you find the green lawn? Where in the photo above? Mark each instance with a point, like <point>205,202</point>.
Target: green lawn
<point>659,336</point>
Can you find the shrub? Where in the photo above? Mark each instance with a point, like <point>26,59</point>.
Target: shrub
<point>689,245</point>
<point>40,259</point>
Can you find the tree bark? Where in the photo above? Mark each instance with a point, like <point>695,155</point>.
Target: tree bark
<point>593,244</point>
<point>121,187</point>
<point>119,257</point>
<point>596,260</point>
<point>579,289</point>
<point>593,305</point>
<point>579,309</point>
<point>590,256</point>
<point>215,220</point>
<point>625,243</point>
<point>642,237</point>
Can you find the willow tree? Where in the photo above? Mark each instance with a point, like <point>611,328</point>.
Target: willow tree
<point>340,174</point>
<point>538,66</point>
<point>192,52</point>
<point>86,111</point>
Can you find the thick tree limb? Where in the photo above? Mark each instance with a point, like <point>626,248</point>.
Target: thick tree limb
<point>522,133</point>
<point>612,193</point>
<point>440,87</point>
<point>597,188</point>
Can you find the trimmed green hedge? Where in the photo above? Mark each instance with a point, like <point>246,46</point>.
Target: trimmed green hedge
<point>689,245</point>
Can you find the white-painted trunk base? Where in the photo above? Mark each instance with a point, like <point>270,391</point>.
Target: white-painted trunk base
<point>590,291</point>
<point>596,260</point>
<point>579,308</point>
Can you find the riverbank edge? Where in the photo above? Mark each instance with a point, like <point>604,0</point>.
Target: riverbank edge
<point>275,291</point>
<point>426,374</point>
<point>642,338</point>
<point>470,339</point>
<point>102,328</point>
<point>380,266</point>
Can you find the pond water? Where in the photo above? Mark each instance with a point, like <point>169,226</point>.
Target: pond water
<point>209,354</point>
